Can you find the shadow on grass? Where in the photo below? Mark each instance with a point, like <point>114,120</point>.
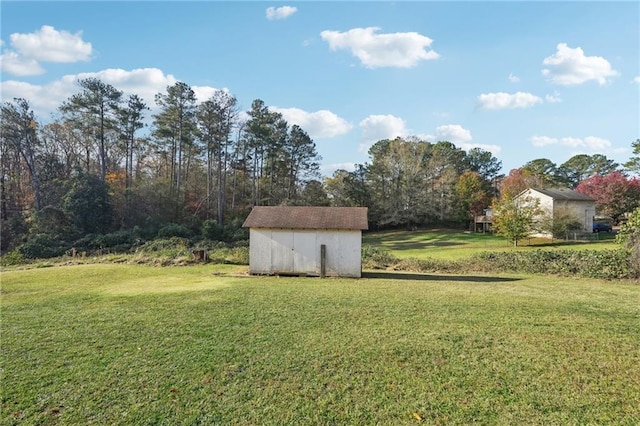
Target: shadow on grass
<point>387,275</point>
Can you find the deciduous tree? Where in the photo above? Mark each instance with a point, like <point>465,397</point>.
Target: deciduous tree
<point>513,217</point>
<point>517,181</point>
<point>19,144</point>
<point>472,195</point>
<point>615,194</point>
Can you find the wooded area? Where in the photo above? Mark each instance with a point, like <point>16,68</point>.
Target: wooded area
<point>97,168</point>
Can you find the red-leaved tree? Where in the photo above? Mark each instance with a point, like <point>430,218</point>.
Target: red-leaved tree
<point>615,194</point>
<point>517,181</point>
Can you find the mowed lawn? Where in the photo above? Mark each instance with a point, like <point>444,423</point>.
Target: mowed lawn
<point>449,244</point>
<point>138,345</point>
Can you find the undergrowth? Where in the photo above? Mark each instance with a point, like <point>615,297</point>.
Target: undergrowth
<point>607,264</point>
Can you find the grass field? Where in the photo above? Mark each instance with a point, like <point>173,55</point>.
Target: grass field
<point>453,245</point>
<point>138,345</point>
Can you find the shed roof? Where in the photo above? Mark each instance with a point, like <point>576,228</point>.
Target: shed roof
<point>564,194</point>
<point>307,217</point>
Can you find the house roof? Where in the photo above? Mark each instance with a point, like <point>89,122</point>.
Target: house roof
<point>563,194</point>
<point>306,217</point>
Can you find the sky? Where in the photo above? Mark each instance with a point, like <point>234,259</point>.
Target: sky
<point>523,80</point>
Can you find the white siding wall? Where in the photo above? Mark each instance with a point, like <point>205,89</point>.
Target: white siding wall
<point>582,210</point>
<point>298,251</point>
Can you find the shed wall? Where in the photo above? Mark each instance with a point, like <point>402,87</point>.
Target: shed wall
<point>287,251</point>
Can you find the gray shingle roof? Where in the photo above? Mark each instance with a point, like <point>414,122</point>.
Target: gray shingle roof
<point>306,217</point>
<point>564,194</point>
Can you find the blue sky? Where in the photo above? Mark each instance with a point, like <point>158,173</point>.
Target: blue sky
<point>524,80</point>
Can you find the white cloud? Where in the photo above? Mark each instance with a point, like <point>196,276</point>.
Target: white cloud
<point>503,100</point>
<point>571,67</point>
<point>460,137</point>
<point>329,169</point>
<point>553,98</point>
<point>14,64</point>
<point>144,82</point>
<point>540,141</point>
<point>42,99</point>
<point>204,93</point>
<point>51,45</point>
<point>401,50</point>
<point>378,127</point>
<point>45,45</point>
<point>453,133</point>
<point>637,79</point>
<point>280,12</point>
<point>591,143</point>
<point>318,124</point>
<point>514,79</point>
<point>493,149</point>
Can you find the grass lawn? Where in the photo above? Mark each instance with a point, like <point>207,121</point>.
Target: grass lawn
<point>138,345</point>
<point>453,245</point>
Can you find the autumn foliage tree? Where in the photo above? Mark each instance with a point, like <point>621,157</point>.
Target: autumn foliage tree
<point>615,193</point>
<point>472,194</point>
<point>513,217</point>
<point>517,181</point>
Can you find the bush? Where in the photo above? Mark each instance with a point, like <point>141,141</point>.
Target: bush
<point>13,231</point>
<point>377,258</point>
<point>116,242</point>
<point>608,264</point>
<point>211,230</point>
<point>163,245</point>
<point>14,257</point>
<point>605,264</point>
<point>42,246</point>
<point>428,265</point>
<point>174,230</point>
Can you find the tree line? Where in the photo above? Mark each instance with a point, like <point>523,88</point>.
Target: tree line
<point>93,169</point>
<point>201,167</point>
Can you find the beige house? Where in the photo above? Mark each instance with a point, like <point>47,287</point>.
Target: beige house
<point>302,240</point>
<point>552,201</point>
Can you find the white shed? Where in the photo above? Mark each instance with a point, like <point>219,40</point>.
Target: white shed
<point>302,240</point>
<point>552,201</point>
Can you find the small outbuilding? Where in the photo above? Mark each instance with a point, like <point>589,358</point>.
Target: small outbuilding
<point>304,240</point>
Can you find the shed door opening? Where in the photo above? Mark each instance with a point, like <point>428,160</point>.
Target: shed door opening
<point>304,252</point>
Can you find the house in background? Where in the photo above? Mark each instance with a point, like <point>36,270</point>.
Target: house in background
<point>301,240</point>
<point>484,221</point>
<point>554,201</point>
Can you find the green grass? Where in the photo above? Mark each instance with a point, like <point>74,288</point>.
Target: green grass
<point>135,345</point>
<point>454,245</point>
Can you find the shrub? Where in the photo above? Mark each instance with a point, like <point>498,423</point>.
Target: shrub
<point>174,230</point>
<point>42,246</point>
<point>13,231</point>
<point>211,230</point>
<point>428,265</point>
<point>607,264</point>
<point>118,242</point>
<point>377,258</point>
<point>12,258</point>
<point>166,244</point>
